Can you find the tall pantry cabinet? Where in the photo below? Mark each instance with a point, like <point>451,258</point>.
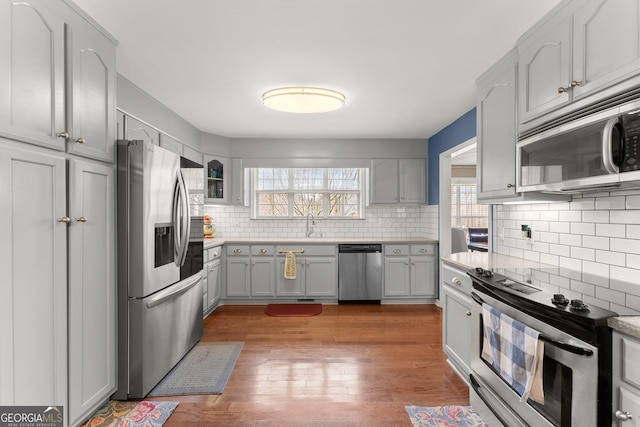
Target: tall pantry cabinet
<point>57,208</point>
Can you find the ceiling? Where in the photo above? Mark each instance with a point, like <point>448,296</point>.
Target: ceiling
<point>407,67</point>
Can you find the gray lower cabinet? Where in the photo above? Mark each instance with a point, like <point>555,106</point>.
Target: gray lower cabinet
<point>92,295</point>
<point>626,380</point>
<point>456,318</point>
<point>316,272</point>
<point>57,317</point>
<point>211,279</point>
<point>263,271</point>
<point>409,271</point>
<point>238,274</point>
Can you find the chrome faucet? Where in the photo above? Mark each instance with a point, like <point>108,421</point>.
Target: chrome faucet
<point>313,222</point>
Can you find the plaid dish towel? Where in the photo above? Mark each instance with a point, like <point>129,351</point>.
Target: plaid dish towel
<point>515,352</point>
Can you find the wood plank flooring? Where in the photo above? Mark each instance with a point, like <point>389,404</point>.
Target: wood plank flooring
<point>352,365</point>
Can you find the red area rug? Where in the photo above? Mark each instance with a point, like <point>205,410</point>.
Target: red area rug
<point>293,310</point>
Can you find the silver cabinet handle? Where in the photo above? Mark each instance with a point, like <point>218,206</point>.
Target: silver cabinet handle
<point>396,251</point>
<point>237,251</point>
<point>81,219</point>
<point>468,313</point>
<point>215,254</point>
<point>81,140</point>
<point>456,281</point>
<point>263,251</point>
<point>64,134</point>
<point>623,416</point>
<point>510,185</point>
<point>423,250</point>
<point>575,83</point>
<point>64,219</point>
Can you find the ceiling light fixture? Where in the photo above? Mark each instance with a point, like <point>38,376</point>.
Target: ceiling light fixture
<point>303,99</point>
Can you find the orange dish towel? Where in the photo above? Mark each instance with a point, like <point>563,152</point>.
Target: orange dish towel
<point>290,266</point>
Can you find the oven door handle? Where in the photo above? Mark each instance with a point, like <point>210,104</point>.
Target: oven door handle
<point>477,298</point>
<point>567,347</point>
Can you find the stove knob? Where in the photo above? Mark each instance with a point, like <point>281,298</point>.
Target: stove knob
<point>479,270</point>
<point>559,299</point>
<point>487,273</point>
<point>577,304</point>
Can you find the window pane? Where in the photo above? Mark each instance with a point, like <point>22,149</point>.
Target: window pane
<point>273,204</point>
<point>308,203</point>
<point>344,204</point>
<point>273,179</point>
<point>343,179</point>
<point>308,178</point>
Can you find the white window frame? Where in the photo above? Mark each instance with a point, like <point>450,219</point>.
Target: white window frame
<point>362,190</point>
<point>466,181</point>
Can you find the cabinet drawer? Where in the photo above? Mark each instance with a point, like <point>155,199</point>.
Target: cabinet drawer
<point>212,253</point>
<point>423,249</point>
<point>396,249</point>
<point>323,250</point>
<point>262,250</point>
<point>457,279</point>
<point>238,250</point>
<point>630,357</point>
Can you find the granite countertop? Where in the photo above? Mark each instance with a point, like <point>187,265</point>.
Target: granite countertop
<point>210,243</point>
<point>629,325</point>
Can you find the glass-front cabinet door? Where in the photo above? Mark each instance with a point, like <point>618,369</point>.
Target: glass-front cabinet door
<point>215,183</point>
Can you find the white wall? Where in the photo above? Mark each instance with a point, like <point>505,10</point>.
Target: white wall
<point>380,222</point>
<point>594,240</point>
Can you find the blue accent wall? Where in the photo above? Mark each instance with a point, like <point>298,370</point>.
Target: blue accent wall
<point>456,133</point>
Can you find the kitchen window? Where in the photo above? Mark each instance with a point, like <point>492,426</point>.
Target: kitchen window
<point>297,192</point>
<point>465,211</point>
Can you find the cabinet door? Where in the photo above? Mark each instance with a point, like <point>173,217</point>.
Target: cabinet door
<point>237,182</point>
<point>321,277</point>
<point>602,56</point>
<point>263,276</point>
<point>544,66</point>
<point>213,283</point>
<point>33,278</point>
<point>423,281</point>
<point>92,287</point>
<point>413,180</point>
<point>135,129</point>
<point>91,70</point>
<point>456,328</point>
<point>32,98</point>
<point>238,277</point>
<point>384,181</point>
<point>291,287</point>
<point>397,277</point>
<point>216,179</point>
<point>496,131</point>
<point>171,144</point>
<point>192,154</point>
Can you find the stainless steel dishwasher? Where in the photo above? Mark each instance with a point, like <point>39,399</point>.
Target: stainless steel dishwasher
<point>359,273</point>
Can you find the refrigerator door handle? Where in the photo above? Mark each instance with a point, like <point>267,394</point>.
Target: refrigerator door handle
<point>169,294</point>
<point>177,224</point>
<point>186,217</point>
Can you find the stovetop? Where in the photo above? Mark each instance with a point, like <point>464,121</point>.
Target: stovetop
<point>520,294</point>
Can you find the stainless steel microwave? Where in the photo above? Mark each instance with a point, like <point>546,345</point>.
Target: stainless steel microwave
<point>597,151</point>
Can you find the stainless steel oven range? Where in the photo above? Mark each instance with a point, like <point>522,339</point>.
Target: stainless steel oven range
<point>576,374</point>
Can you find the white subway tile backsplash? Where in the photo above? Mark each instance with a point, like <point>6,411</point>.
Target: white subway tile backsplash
<point>608,203</point>
<point>595,216</point>
<point>570,216</point>
<point>595,273</point>
<point>583,288</point>
<point>570,239</point>
<point>560,227</point>
<point>610,230</point>
<point>595,242</point>
<point>633,261</point>
<point>625,280</point>
<point>583,253</point>
<point>611,258</point>
<point>583,228</point>
<point>582,204</point>
<point>632,202</point>
<point>632,232</point>
<point>625,217</point>
<point>625,245</point>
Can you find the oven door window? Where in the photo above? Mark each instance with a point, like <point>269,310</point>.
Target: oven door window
<point>557,384</point>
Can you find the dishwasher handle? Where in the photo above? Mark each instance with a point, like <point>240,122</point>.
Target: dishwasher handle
<point>359,248</point>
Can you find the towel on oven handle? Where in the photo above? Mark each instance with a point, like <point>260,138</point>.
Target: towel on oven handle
<point>515,352</point>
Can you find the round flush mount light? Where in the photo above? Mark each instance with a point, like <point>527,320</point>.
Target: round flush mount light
<point>303,99</point>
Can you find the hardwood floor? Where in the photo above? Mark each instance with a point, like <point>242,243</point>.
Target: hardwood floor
<point>352,365</point>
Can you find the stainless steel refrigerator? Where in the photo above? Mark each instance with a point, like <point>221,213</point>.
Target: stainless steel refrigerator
<point>159,267</point>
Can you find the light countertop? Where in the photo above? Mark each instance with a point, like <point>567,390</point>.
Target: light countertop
<point>629,325</point>
<point>210,243</point>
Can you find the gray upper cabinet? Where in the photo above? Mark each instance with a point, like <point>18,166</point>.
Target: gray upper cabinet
<point>544,61</point>
<point>398,181</point>
<point>32,69</point>
<point>496,130</point>
<point>48,101</point>
<point>91,69</point>
<point>135,129</point>
<point>570,59</point>
<point>171,144</point>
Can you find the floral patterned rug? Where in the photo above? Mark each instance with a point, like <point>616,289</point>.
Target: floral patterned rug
<point>131,414</point>
<point>444,416</point>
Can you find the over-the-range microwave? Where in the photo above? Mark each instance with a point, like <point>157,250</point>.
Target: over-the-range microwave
<point>597,151</point>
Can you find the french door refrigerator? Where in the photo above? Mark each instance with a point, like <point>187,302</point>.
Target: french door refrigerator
<point>159,267</point>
